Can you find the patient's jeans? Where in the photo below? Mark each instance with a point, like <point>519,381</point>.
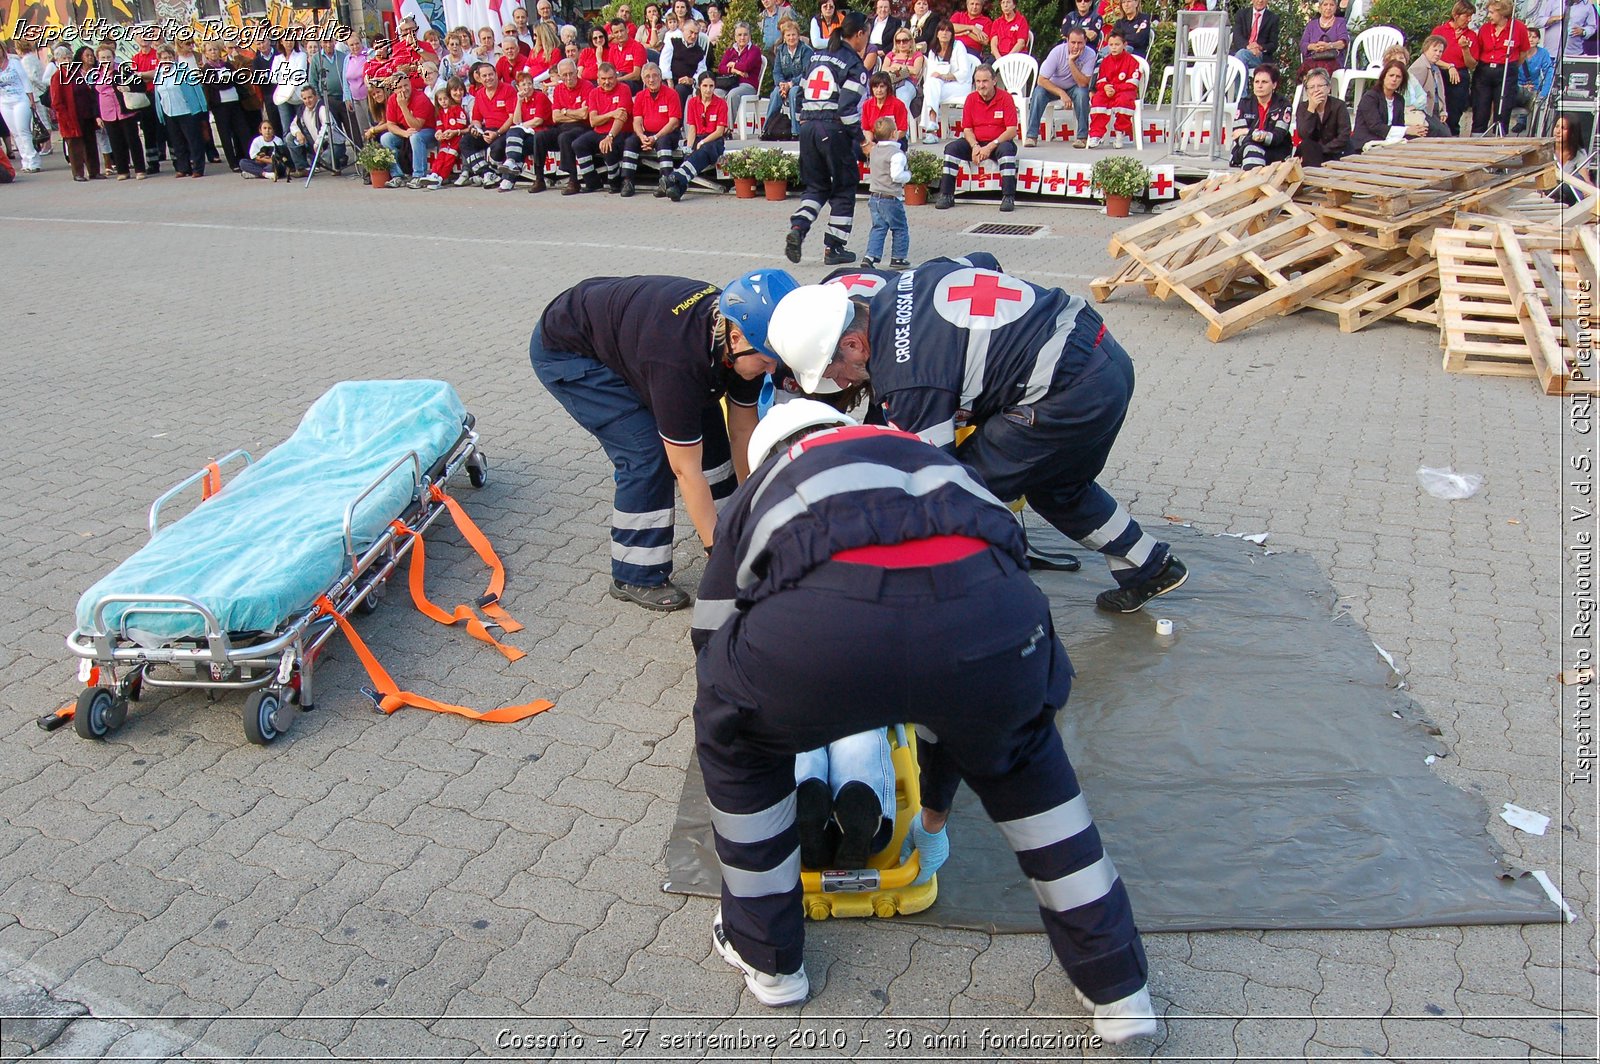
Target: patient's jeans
<point>863,757</point>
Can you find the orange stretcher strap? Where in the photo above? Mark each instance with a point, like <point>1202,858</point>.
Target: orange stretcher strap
<point>392,698</point>
<point>462,614</point>
<point>490,603</point>
<point>212,482</point>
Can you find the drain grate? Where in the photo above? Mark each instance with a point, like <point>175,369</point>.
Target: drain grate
<point>998,229</point>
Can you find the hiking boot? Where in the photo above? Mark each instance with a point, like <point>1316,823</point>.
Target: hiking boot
<point>664,598</point>
<point>627,188</point>
<point>944,201</point>
<point>813,809</point>
<point>1124,1019</point>
<point>791,244</point>
<point>595,183</point>
<point>838,257</point>
<point>661,186</point>
<point>538,185</point>
<point>675,189</point>
<point>573,188</point>
<point>1131,599</point>
<point>773,991</point>
<point>858,813</point>
<point>1008,204</point>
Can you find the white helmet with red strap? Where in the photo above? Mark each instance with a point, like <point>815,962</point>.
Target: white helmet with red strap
<point>786,419</point>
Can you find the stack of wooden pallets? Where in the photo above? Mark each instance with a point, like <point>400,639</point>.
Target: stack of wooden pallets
<point>1451,234</point>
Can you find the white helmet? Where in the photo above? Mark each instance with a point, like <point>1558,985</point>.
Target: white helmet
<point>786,419</point>
<point>805,330</point>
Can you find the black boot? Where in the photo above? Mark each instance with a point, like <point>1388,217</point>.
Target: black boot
<point>791,244</point>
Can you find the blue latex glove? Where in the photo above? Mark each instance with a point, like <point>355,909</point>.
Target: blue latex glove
<point>933,849</point>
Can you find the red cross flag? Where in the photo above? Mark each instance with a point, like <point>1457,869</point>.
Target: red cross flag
<point>981,299</point>
<point>820,85</point>
<point>1078,181</point>
<point>1161,184</point>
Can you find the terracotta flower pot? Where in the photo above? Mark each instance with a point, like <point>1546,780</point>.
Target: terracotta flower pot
<point>1117,206</point>
<point>744,187</point>
<point>380,178</point>
<point>916,195</point>
<point>777,190</point>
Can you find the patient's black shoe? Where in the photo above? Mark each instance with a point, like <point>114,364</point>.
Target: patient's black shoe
<point>857,810</point>
<point>813,808</point>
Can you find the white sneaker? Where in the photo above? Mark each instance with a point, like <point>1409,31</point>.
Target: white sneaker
<point>1094,142</point>
<point>462,179</point>
<point>930,138</point>
<point>1124,1019</point>
<point>1120,141</point>
<point>773,991</point>
<point>506,184</point>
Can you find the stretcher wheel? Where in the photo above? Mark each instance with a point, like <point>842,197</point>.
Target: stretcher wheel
<point>369,605</point>
<point>98,713</point>
<point>478,469</point>
<point>259,710</point>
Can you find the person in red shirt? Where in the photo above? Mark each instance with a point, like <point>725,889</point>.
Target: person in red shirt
<point>881,102</point>
<point>447,130</point>
<point>625,54</point>
<point>531,114</point>
<point>494,104</point>
<point>989,125</point>
<point>1009,31</point>
<point>1457,61</point>
<point>144,62</point>
<point>546,53</point>
<point>1502,43</point>
<point>657,121</point>
<point>569,116</point>
<point>1116,90</point>
<point>598,152</point>
<point>707,120</point>
<point>408,124</point>
<point>972,28</point>
<point>510,61</point>
<point>590,58</point>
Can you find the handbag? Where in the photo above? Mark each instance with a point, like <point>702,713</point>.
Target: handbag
<point>728,82</point>
<point>134,100</point>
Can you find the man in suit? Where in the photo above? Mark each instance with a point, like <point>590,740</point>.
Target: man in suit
<point>1255,29</point>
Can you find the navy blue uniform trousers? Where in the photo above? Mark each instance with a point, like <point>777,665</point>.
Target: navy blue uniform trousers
<point>1055,459</point>
<point>831,173</point>
<point>600,400</point>
<point>967,652</point>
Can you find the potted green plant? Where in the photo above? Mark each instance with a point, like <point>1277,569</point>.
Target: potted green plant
<point>775,169</point>
<point>376,160</point>
<point>927,169</point>
<point>1119,179</point>
<point>741,166</point>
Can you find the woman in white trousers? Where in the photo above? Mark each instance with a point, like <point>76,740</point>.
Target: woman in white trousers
<point>947,76</point>
<point>16,106</point>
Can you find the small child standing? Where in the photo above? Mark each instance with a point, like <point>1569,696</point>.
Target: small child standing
<point>267,157</point>
<point>887,183</point>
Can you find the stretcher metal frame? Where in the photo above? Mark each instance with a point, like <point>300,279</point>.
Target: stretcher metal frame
<point>276,667</point>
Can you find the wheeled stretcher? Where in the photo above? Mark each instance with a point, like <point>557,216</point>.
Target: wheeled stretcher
<point>884,887</point>
<point>242,592</point>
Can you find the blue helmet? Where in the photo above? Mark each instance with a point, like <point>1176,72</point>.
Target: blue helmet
<point>749,302</point>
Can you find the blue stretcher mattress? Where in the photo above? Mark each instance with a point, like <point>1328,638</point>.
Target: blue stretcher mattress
<point>272,540</point>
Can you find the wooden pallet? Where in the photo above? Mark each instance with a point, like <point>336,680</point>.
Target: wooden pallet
<point>1389,282</point>
<point>1511,303</point>
<point>1386,197</point>
<point>1238,252</point>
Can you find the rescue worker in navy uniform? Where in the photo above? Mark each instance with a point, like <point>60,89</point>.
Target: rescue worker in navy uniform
<point>1033,370</point>
<point>863,578</point>
<point>830,141</point>
<point>642,363</point>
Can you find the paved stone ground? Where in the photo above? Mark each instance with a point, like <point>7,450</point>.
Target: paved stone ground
<point>340,892</point>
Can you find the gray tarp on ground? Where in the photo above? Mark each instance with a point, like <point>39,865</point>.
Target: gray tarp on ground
<point>1246,772</point>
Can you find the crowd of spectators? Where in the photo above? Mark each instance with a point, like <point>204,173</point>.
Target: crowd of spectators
<point>489,108</point>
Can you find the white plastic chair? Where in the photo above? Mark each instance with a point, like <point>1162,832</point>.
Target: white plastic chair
<point>1366,58</point>
<point>1018,73</point>
<point>1294,107</point>
<point>749,116</point>
<point>1202,44</point>
<point>1138,102</point>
